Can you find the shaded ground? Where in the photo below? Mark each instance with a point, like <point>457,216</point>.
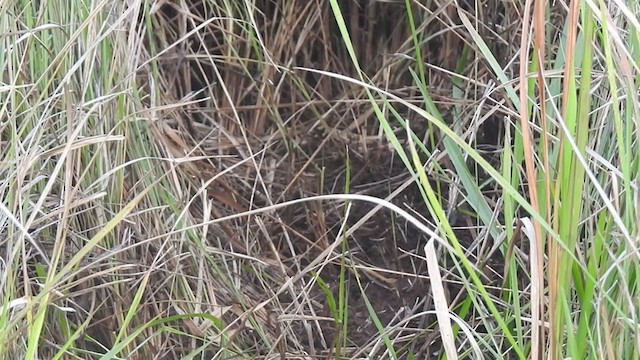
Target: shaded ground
<point>309,134</point>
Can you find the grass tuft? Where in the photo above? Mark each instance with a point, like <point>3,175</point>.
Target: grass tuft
<point>340,179</point>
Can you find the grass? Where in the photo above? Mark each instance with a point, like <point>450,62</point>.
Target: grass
<point>286,180</point>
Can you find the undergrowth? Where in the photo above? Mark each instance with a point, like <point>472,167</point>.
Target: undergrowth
<point>319,179</point>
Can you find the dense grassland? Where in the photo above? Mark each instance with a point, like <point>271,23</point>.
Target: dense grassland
<point>293,179</point>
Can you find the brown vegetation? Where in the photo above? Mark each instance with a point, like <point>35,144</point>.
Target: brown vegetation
<point>278,134</point>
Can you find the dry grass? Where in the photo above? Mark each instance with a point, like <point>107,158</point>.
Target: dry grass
<point>174,170</point>
<point>300,134</point>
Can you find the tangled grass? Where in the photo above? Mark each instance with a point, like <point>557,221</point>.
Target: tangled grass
<point>319,179</point>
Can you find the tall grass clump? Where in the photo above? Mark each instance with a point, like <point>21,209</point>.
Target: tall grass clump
<point>571,148</point>
<point>339,179</point>
<point>93,259</point>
